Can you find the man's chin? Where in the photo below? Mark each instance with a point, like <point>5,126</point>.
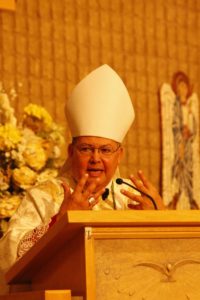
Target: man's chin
<point>99,181</point>
<point>96,179</point>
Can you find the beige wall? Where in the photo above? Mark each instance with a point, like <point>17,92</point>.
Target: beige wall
<point>47,46</point>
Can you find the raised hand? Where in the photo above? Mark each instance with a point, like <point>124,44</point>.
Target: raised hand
<point>84,196</point>
<point>144,185</point>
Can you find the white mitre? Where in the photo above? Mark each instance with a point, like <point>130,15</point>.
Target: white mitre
<point>100,106</point>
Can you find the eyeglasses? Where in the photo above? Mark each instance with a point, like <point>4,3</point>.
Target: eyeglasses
<point>104,151</point>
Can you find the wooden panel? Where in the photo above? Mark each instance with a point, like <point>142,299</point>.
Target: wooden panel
<point>39,295</point>
<point>7,4</point>
<point>90,265</point>
<point>146,265</point>
<point>40,254</point>
<point>66,269</point>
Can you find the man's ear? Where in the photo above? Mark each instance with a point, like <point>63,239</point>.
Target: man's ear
<point>70,150</point>
<point>121,154</point>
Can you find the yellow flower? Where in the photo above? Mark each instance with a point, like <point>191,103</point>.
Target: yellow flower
<point>8,205</point>
<point>24,177</point>
<point>10,136</point>
<point>38,112</point>
<point>4,181</point>
<point>35,155</point>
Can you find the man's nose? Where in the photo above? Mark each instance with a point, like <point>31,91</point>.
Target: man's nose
<point>95,155</point>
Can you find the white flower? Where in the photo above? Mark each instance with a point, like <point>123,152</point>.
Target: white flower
<point>30,152</point>
<point>46,175</point>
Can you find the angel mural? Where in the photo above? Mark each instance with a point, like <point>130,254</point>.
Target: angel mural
<point>180,144</point>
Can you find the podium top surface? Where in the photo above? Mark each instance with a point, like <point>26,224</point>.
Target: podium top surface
<point>133,218</point>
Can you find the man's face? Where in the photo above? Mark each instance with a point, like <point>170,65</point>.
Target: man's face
<point>96,156</point>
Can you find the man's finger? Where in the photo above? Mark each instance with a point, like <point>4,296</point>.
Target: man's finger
<point>132,196</point>
<point>135,206</point>
<point>90,189</point>
<point>142,186</point>
<point>67,191</point>
<point>141,175</point>
<point>81,184</point>
<point>99,193</point>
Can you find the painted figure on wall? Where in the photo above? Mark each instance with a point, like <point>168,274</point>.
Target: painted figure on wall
<point>180,132</point>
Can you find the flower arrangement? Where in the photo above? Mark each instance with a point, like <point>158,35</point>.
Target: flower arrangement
<point>30,152</point>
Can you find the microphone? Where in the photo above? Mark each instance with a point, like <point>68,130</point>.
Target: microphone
<point>105,194</point>
<point>121,181</point>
